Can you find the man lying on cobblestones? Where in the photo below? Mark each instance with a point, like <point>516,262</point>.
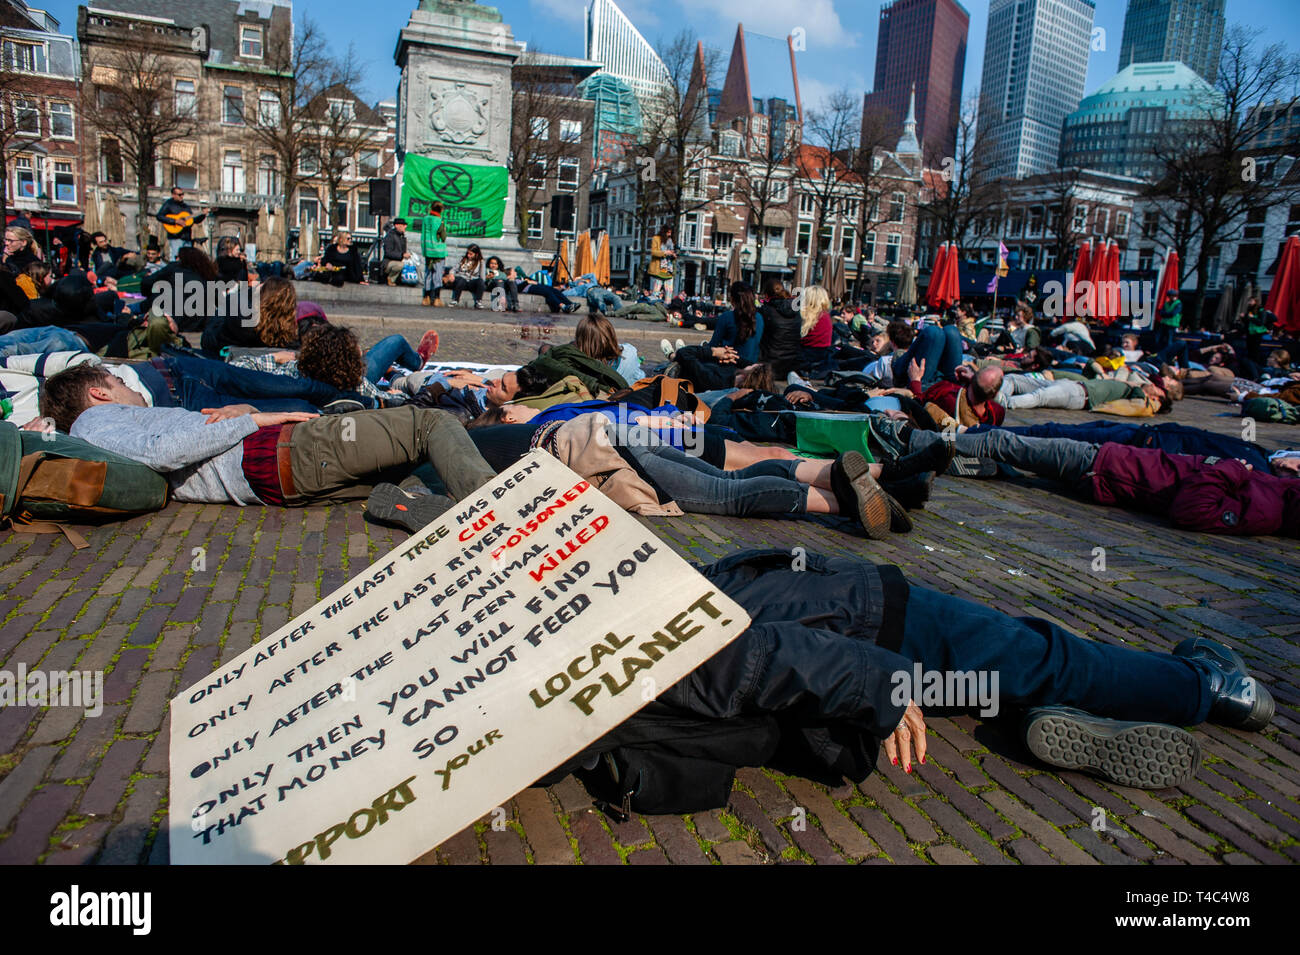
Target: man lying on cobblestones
<point>1209,494</point>
<point>237,455</point>
<point>846,656</point>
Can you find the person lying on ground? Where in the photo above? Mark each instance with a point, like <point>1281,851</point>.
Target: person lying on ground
<point>1168,436</point>
<point>969,399</point>
<point>467,395</point>
<point>1213,495</point>
<point>241,456</point>
<point>179,381</point>
<point>1102,395</point>
<point>820,667</point>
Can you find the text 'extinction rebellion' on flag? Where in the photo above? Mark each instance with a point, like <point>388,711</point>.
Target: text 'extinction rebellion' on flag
<point>473,197</point>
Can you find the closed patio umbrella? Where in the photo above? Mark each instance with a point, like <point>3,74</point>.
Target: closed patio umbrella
<point>733,265</point>
<point>1223,313</point>
<point>113,224</point>
<point>1082,265</point>
<point>583,261</point>
<point>1284,296</point>
<point>907,284</point>
<point>934,293</point>
<point>602,259</point>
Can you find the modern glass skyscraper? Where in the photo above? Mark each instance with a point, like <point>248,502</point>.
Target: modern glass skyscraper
<point>612,41</point>
<point>921,47</point>
<point>1188,31</point>
<point>1035,64</point>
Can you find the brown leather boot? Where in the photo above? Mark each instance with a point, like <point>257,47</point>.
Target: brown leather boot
<point>426,301</point>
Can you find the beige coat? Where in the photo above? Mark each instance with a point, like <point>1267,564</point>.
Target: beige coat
<point>583,444</point>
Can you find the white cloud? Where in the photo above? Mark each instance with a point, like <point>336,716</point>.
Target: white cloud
<point>818,18</point>
<point>642,13</point>
<point>566,10</point>
<point>815,92</point>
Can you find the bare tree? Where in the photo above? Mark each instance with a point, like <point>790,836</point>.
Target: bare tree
<point>282,124</point>
<point>762,179</point>
<point>338,127</point>
<point>1212,173</point>
<point>541,101</point>
<point>870,177</point>
<point>1063,191</point>
<point>675,138</point>
<point>822,171</point>
<point>16,133</point>
<point>130,99</point>
<point>965,203</point>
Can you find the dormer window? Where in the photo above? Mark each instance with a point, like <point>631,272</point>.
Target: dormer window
<point>250,42</point>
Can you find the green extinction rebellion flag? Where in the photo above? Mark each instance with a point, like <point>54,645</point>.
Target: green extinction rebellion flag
<point>473,197</point>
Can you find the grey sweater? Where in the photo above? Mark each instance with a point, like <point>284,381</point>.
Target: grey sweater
<point>202,462</point>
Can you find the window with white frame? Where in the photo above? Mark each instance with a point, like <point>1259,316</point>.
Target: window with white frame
<point>1079,221</point>
<point>825,238</point>
<point>308,206</point>
<point>849,209</point>
<point>778,190</point>
<point>1121,224</point>
<point>268,175</point>
<point>24,57</point>
<point>342,109</point>
<point>187,177</point>
<point>110,160</point>
<point>186,97</point>
<point>61,121</point>
<point>775,237</point>
<point>65,182</point>
<point>232,171</point>
<point>250,41</point>
<point>848,245</point>
<point>308,162</point>
<point>268,108</point>
<point>803,238</point>
<point>1103,221</point>
<point>570,130</point>
<point>537,173</point>
<point>729,143</point>
<point>232,105</point>
<point>535,223</point>
<point>897,206</point>
<point>368,163</point>
<point>541,127</point>
<point>27,116</point>
<point>25,178</point>
<point>568,174</point>
<point>893,246</point>
<point>726,189</point>
<point>365,221</point>
<point>807,204</point>
<point>869,249</point>
<point>691,231</point>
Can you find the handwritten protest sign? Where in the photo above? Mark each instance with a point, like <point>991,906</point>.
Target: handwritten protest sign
<point>432,687</point>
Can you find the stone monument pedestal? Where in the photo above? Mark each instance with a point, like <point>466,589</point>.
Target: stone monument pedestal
<point>454,99</point>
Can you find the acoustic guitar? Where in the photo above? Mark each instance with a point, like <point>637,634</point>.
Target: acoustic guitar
<point>179,221</point>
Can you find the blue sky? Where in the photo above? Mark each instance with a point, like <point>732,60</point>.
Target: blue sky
<point>841,34</point>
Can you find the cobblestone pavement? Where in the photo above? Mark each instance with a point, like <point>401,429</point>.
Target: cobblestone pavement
<point>138,605</point>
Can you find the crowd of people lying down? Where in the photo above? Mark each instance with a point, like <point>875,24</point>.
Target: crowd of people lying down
<point>285,408</point>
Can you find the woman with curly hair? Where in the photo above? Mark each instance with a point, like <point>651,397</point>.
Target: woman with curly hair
<point>276,326</point>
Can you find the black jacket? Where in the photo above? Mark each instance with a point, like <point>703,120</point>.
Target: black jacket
<point>781,346</point>
<point>807,688</point>
<point>349,262</point>
<point>394,246</point>
<point>172,207</point>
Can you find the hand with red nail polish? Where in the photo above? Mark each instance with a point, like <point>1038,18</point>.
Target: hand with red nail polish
<point>909,734</point>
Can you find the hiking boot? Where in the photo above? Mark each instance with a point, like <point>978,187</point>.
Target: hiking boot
<point>439,303</point>
<point>389,504</point>
<point>911,492</point>
<point>426,301</point>
<point>857,492</point>
<point>1141,755</point>
<point>899,522</point>
<point>936,457</point>
<point>1240,701</point>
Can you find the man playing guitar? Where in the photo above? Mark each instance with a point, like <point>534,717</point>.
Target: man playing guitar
<point>178,219</point>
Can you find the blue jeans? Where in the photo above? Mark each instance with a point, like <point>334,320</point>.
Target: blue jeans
<point>940,347</point>
<point>393,350</point>
<point>1170,437</point>
<point>768,487</point>
<point>1039,664</point>
<point>553,298</point>
<point>602,300</point>
<point>38,341</point>
<point>203,383</point>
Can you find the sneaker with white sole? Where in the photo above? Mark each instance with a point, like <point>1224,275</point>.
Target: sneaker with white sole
<point>666,347</point>
<point>413,511</point>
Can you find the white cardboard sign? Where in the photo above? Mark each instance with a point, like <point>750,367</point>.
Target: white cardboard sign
<point>435,685</point>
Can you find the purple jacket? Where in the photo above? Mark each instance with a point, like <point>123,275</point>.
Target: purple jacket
<point>1225,497</point>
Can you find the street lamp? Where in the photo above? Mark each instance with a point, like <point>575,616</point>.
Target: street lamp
<point>746,256</point>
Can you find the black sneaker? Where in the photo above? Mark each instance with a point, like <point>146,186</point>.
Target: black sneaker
<point>1240,700</point>
<point>342,406</point>
<point>972,468</point>
<point>570,308</point>
<point>389,504</point>
<point>1141,755</point>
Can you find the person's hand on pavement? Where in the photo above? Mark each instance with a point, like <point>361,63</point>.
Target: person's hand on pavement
<point>909,735</point>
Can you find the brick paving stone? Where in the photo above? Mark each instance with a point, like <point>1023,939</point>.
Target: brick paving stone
<point>1234,836</point>
<point>1110,848</point>
<point>19,782</point>
<point>594,844</point>
<point>78,846</point>
<point>769,795</point>
<point>30,838</point>
<point>1168,841</point>
<point>167,655</point>
<point>918,828</point>
<point>111,777</point>
<point>1045,834</point>
<point>121,681</point>
<point>1049,808</point>
<point>150,703</point>
<point>125,844</point>
<point>710,827</point>
<point>748,811</point>
<point>56,725</point>
<point>677,842</point>
<point>960,828</point>
<point>504,847</point>
<point>1027,853</point>
<point>461,849</point>
<point>546,837</point>
<point>572,796</point>
<point>882,830</point>
<point>837,827</point>
<point>949,855</point>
